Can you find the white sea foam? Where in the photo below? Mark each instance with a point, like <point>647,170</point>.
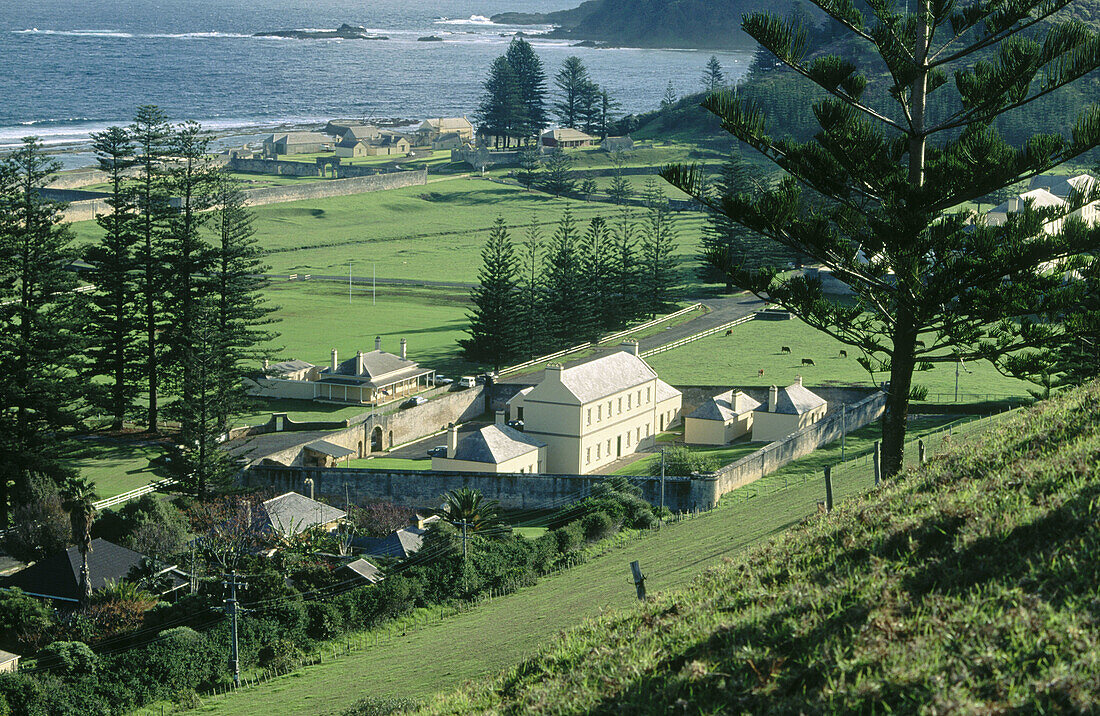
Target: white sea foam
<point>130,35</point>
<point>471,20</point>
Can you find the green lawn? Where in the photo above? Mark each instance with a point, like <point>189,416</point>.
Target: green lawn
<point>736,360</point>
<point>418,662</point>
<point>391,463</point>
<point>722,454</point>
<point>115,468</point>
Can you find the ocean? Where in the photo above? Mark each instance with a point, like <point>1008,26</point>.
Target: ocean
<point>76,66</point>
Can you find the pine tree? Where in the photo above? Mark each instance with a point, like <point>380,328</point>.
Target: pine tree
<point>589,108</point>
<point>531,295</point>
<point>568,313</point>
<point>597,257</point>
<point>557,174</point>
<point>609,108</point>
<point>573,83</point>
<point>713,77</point>
<point>114,318</point>
<point>531,80</point>
<point>529,165</point>
<point>727,246</point>
<point>500,113</point>
<point>40,328</point>
<point>240,315</point>
<point>625,271</point>
<point>151,132</point>
<point>670,97</point>
<point>885,175</point>
<point>495,332</point>
<point>620,189</point>
<point>658,277</point>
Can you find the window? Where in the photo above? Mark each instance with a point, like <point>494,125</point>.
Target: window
<point>588,456</point>
<point>599,413</point>
<point>628,438</point>
<point>609,409</point>
<point>639,396</point>
<point>519,413</point>
<point>609,446</point>
<point>589,418</point>
<point>637,434</point>
<point>597,451</point>
<point>647,430</point>
<point>620,406</point>
<point>647,395</point>
<point>628,397</point>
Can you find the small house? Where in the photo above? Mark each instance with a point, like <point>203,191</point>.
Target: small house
<point>296,143</point>
<point>399,544</point>
<point>788,410</point>
<point>432,129</point>
<point>291,514</point>
<point>8,661</point>
<point>57,577</point>
<point>721,419</point>
<point>495,448</point>
<point>566,139</point>
<point>450,140</point>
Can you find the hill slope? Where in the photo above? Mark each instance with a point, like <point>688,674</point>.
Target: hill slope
<point>967,586</point>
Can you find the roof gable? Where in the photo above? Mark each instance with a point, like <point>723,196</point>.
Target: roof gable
<point>58,575</point>
<point>291,513</point>
<point>599,378</point>
<point>495,444</point>
<point>378,364</point>
<point>725,406</point>
<point>795,399</point>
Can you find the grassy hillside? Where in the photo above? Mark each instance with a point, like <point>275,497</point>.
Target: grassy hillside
<point>967,586</point>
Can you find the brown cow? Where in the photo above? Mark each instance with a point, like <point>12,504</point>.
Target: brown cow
<point>760,372</point>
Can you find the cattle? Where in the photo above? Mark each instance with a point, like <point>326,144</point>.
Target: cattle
<point>844,354</point>
<point>808,361</point>
<point>760,372</point>
<point>785,349</point>
<point>729,331</point>
<point>920,344</point>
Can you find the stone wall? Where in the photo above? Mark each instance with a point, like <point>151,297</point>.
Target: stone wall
<point>68,195</point>
<point>335,187</point>
<point>280,167</point>
<point>423,489</point>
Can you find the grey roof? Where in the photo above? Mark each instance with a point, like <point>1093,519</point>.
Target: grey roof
<point>301,138</point>
<point>6,656</point>
<point>495,444</point>
<point>400,543</point>
<point>606,375</point>
<point>521,393</point>
<point>567,134</point>
<point>795,400</point>
<point>58,576</point>
<point>365,569</point>
<point>292,513</point>
<point>349,142</point>
<point>665,391</point>
<point>326,448</point>
<point>289,366</point>
<point>378,364</point>
<point>1062,185</point>
<point>361,131</point>
<point>725,406</point>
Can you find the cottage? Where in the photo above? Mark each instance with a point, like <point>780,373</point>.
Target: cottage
<point>1037,198</point>
<point>432,129</point>
<point>401,543</point>
<point>384,145</point>
<point>360,132</point>
<point>566,139</point>
<point>450,140</point>
<point>721,419</point>
<point>296,143</point>
<point>367,379</point>
<point>788,410</point>
<point>8,661</point>
<point>57,577</point>
<point>591,414</point>
<point>495,448</point>
<point>291,514</point>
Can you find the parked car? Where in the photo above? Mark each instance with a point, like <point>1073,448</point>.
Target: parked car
<point>438,451</point>
<point>467,381</point>
<point>414,401</point>
<point>441,380</point>
<point>517,424</point>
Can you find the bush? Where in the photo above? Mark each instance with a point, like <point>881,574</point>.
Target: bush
<point>378,706</point>
<point>569,538</point>
<point>596,526</point>
<point>24,695</point>
<point>69,659</point>
<point>544,551</point>
<point>682,461</point>
<point>23,621</point>
<point>645,521</point>
<point>280,655</point>
<point>323,621</point>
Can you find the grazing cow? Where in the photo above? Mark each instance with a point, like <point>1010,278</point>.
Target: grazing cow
<point>844,354</point>
<point>729,331</point>
<point>808,361</point>
<point>760,372</point>
<point>920,344</point>
<point>785,349</point>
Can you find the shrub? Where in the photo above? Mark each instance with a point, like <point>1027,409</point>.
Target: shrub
<point>596,526</point>
<point>378,706</point>
<point>291,615</point>
<point>569,538</point>
<point>40,527</point>
<point>645,521</point>
<point>280,655</point>
<point>24,695</point>
<point>23,620</point>
<point>544,550</point>
<point>682,461</point>
<point>323,621</point>
<point>69,659</point>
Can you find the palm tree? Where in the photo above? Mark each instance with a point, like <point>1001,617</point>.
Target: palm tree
<point>470,507</point>
<point>78,499</point>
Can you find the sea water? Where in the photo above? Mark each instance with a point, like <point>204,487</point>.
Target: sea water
<point>70,67</point>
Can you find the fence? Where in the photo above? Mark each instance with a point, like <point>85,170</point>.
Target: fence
<point>133,494</point>
<point>649,324</point>
<point>697,336</point>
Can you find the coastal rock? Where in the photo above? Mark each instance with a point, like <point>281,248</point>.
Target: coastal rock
<point>430,38</point>
<point>344,32</point>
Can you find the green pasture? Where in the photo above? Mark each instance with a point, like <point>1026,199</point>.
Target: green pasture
<point>737,359</point>
<point>115,467</point>
<point>418,662</point>
<point>391,463</point>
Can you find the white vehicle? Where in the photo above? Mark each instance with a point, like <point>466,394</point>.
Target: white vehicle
<point>440,380</point>
<point>467,381</point>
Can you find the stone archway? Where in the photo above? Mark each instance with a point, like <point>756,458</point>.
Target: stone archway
<point>376,439</point>
<point>361,455</point>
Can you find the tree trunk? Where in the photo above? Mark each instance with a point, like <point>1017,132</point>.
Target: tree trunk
<point>896,416</point>
<point>85,582</point>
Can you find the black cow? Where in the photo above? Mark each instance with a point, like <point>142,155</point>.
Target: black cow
<point>808,361</point>
<point>729,331</point>
<point>844,354</point>
<point>785,349</point>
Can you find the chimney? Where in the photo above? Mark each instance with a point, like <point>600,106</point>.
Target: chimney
<point>335,360</point>
<point>378,343</point>
<point>404,349</point>
<point>360,367</point>
<point>773,398</point>
<point>267,364</point>
<point>1014,204</point>
<point>552,373</point>
<point>630,346</point>
<point>500,417</point>
<point>452,440</point>
<point>798,380</point>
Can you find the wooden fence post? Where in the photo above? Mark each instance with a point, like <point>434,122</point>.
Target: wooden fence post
<point>878,462</point>
<point>921,455</point>
<point>639,579</point>
<point>828,489</point>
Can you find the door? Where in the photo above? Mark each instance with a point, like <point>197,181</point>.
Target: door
<point>619,446</point>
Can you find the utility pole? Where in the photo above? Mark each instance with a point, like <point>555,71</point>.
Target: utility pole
<point>662,522</point>
<point>349,281</point>
<point>374,284</point>
<point>232,609</point>
<point>843,428</point>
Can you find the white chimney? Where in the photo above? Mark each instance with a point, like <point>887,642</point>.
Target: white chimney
<point>552,373</point>
<point>1014,204</point>
<point>773,398</point>
<point>452,440</point>
<point>335,361</point>
<point>267,364</point>
<point>404,348</point>
<point>378,343</point>
<point>360,364</point>
<point>500,417</point>
<point>798,380</point>
<point>630,346</point>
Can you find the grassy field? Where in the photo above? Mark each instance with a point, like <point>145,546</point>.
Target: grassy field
<point>965,587</point>
<point>391,463</point>
<point>116,468</point>
<point>418,662</point>
<point>736,360</point>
